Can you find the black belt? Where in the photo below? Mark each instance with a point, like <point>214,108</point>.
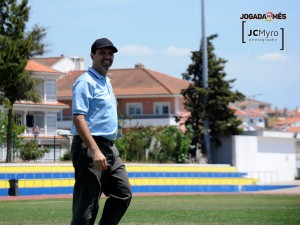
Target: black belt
<point>103,140</point>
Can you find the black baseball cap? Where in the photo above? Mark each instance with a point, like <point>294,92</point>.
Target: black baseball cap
<point>103,43</point>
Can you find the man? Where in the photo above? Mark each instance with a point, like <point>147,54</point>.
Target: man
<point>98,167</point>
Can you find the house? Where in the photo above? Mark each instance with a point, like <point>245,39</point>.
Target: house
<point>252,104</point>
<point>290,124</point>
<point>62,63</point>
<point>294,113</point>
<point>40,118</point>
<point>284,120</point>
<point>253,119</point>
<point>145,97</point>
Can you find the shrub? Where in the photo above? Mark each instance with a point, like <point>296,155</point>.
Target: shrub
<point>159,144</point>
<point>171,145</point>
<point>133,144</point>
<point>66,156</point>
<point>32,151</point>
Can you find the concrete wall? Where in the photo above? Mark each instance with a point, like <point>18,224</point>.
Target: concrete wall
<point>271,159</point>
<point>224,154</point>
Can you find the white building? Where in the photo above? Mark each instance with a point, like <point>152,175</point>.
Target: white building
<point>40,118</point>
<point>62,63</point>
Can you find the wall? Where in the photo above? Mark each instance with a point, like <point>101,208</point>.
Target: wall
<point>223,154</point>
<point>271,159</point>
<point>147,104</point>
<point>67,113</point>
<point>266,154</point>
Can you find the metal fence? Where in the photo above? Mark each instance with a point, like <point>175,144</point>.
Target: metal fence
<point>264,177</point>
<point>52,156</point>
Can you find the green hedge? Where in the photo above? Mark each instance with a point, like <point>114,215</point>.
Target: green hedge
<point>154,144</point>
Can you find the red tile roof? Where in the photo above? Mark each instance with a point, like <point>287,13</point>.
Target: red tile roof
<point>250,112</point>
<point>287,121</point>
<point>142,81</point>
<point>34,66</point>
<point>130,82</point>
<point>293,129</point>
<point>48,61</point>
<point>65,83</point>
<point>255,112</point>
<point>237,111</point>
<point>294,114</point>
<point>41,103</point>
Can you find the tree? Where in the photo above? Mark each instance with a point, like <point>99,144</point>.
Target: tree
<point>222,120</point>
<point>16,129</point>
<point>16,47</point>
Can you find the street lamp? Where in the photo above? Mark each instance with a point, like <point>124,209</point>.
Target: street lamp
<point>205,84</point>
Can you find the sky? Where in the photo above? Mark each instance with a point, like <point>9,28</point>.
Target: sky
<point>161,34</point>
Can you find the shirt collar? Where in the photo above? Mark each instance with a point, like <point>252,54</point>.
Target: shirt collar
<point>94,73</point>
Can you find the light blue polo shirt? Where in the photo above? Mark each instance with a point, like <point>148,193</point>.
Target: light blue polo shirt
<point>93,97</point>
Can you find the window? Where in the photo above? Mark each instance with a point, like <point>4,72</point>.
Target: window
<point>59,116</point>
<point>162,108</point>
<point>39,120</point>
<point>51,121</point>
<point>39,86</point>
<point>51,91</point>
<point>134,108</point>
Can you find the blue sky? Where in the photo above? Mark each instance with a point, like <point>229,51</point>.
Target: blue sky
<point>161,34</point>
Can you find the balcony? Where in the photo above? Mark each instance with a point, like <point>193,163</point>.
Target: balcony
<point>130,121</point>
<point>148,120</point>
<point>146,116</point>
<point>42,131</point>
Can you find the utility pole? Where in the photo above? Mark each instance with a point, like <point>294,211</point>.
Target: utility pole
<point>205,84</point>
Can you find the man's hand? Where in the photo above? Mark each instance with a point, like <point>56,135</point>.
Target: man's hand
<point>99,160</point>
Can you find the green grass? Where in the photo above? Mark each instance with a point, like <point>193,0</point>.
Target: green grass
<point>168,210</point>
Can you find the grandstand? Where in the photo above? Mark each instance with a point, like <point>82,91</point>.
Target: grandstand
<point>39,179</point>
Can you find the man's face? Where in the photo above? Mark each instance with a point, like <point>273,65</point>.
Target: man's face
<point>102,60</point>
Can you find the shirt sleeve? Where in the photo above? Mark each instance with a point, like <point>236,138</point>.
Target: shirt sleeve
<point>82,95</point>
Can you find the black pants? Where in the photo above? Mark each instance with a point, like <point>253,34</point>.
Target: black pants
<point>91,183</point>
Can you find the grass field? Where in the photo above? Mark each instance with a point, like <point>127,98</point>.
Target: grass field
<point>168,210</point>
